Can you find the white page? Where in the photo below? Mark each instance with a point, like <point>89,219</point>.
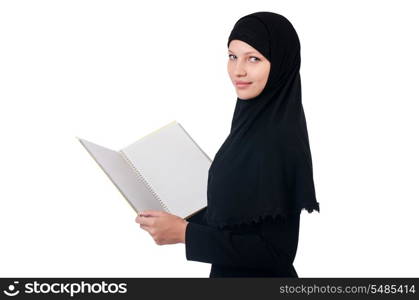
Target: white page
<point>123,176</point>
<point>174,166</point>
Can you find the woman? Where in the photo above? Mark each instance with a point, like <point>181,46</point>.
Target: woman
<point>261,177</point>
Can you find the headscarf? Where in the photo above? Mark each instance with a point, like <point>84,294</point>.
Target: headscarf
<point>264,167</point>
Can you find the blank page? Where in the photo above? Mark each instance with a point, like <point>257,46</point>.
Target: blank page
<point>123,176</point>
<point>175,167</point>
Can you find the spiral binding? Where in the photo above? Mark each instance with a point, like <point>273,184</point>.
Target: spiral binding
<point>144,181</point>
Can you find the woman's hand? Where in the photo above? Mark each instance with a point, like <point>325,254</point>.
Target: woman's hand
<point>163,227</point>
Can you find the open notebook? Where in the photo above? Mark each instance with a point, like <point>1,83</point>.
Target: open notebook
<point>164,170</point>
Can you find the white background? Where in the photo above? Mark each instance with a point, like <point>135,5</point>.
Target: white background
<point>112,71</point>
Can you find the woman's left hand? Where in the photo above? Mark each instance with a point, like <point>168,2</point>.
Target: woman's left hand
<point>163,227</point>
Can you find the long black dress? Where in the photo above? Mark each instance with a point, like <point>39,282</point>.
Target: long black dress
<point>264,249</point>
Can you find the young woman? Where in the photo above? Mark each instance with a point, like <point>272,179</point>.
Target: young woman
<point>261,177</point>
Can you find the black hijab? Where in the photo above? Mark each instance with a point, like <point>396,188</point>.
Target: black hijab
<point>264,168</point>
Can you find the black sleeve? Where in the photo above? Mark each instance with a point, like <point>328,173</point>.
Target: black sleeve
<point>262,246</point>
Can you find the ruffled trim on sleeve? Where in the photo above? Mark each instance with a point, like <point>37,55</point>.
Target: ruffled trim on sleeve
<point>268,216</point>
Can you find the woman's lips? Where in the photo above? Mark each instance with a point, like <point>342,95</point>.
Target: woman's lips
<point>242,84</point>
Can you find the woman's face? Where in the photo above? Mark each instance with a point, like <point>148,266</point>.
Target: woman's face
<point>246,64</point>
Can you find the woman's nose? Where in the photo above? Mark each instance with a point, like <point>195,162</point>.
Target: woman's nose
<point>239,70</point>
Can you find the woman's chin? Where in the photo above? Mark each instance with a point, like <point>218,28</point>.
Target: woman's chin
<point>244,96</point>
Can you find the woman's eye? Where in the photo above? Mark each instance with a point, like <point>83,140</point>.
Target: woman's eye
<point>232,55</point>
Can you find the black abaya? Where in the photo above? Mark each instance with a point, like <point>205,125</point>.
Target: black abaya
<point>261,178</point>
<point>265,249</point>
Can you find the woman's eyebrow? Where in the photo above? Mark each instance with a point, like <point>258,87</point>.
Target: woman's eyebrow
<point>245,52</point>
